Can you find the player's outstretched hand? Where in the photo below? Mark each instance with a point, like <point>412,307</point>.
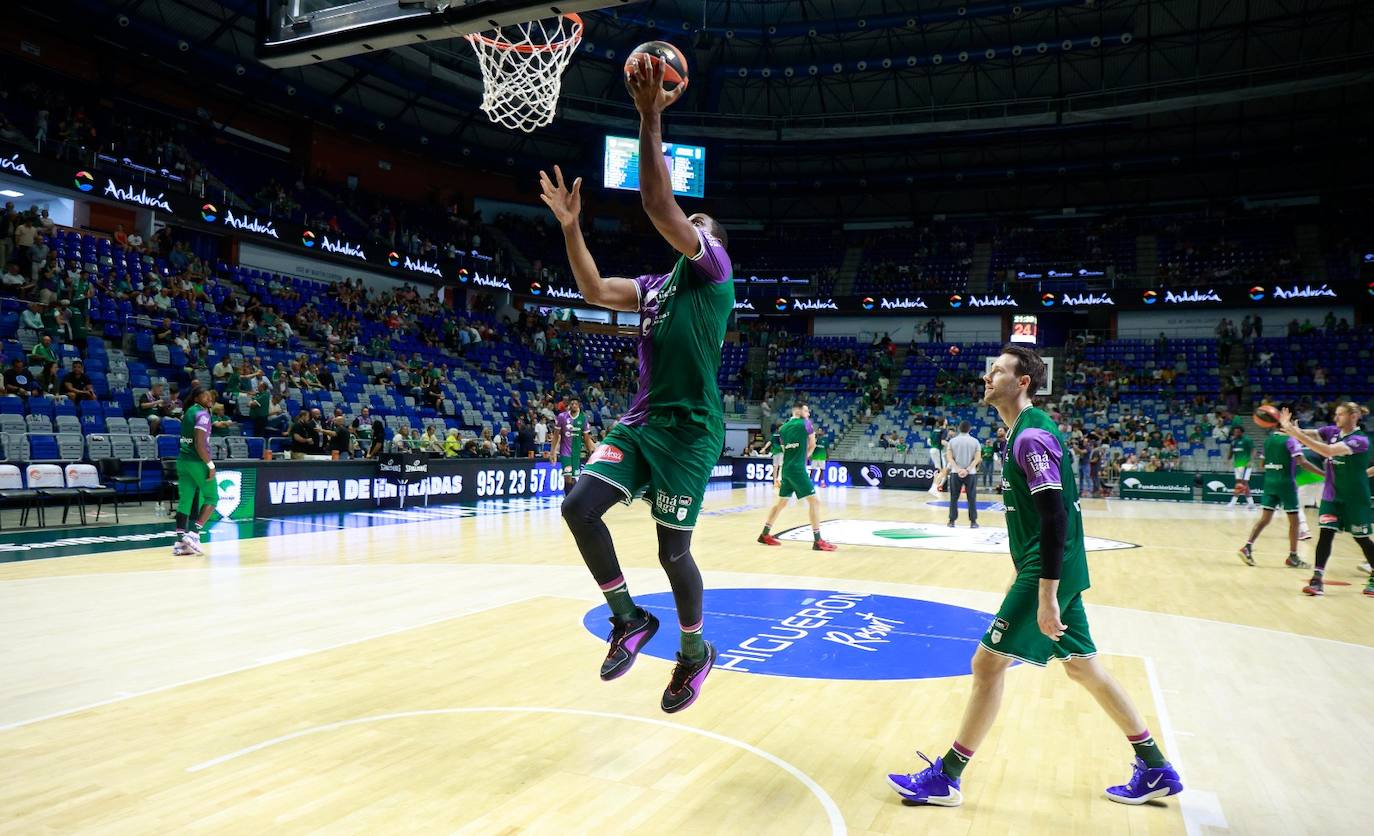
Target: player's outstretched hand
<point>1048,618</point>
<point>565,203</point>
<point>1285,419</point>
<point>646,85</point>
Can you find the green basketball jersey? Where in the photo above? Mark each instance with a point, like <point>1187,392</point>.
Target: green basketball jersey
<point>1279,465</point>
<point>794,435</point>
<point>1240,451</point>
<point>195,417</point>
<point>682,319</point>
<point>1036,462</point>
<point>775,444</point>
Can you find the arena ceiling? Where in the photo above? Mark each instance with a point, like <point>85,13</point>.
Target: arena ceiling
<point>927,96</point>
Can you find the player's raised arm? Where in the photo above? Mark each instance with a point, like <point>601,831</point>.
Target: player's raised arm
<point>1310,440</point>
<point>655,186</point>
<point>566,205</point>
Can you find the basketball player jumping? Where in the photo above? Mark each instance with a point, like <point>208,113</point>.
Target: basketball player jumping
<point>1345,498</point>
<point>667,443</point>
<point>797,440</point>
<point>1282,456</point>
<point>197,490</point>
<point>1042,616</point>
<point>569,434</point>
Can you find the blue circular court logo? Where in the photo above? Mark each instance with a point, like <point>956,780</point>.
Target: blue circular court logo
<point>821,634</point>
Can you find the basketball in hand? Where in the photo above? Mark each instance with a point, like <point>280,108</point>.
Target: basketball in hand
<point>675,71</point>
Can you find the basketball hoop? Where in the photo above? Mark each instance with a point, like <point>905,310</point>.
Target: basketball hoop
<point>522,73</point>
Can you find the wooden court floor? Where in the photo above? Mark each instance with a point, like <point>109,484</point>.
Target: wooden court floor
<point>436,676</point>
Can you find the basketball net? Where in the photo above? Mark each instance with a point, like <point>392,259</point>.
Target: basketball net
<point>522,69</point>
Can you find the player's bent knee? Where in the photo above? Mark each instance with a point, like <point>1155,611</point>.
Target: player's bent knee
<point>988,665</point>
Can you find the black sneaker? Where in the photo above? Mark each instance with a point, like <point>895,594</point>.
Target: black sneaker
<point>1314,587</point>
<point>685,685</point>
<point>627,639</point>
<point>1295,562</point>
<point>1245,554</point>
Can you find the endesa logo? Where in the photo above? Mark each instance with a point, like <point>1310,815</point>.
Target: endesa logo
<point>780,304</point>
<point>83,181</point>
<point>1047,299</point>
<point>956,301</point>
<point>1149,297</point>
<point>308,238</point>
<point>208,213</point>
<point>868,303</point>
<point>1256,293</point>
<point>536,288</point>
<point>393,259</point>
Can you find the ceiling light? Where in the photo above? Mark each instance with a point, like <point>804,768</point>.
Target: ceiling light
<point>11,193</point>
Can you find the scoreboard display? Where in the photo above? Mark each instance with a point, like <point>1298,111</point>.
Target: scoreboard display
<point>1025,328</point>
<point>686,166</point>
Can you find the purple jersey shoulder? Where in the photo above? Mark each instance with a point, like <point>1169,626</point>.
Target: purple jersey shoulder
<point>1037,453</point>
<point>711,262</point>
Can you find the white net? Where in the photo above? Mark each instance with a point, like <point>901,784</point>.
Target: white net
<point>522,69</point>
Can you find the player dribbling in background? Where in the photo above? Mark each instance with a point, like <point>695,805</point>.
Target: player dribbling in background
<point>797,440</point>
<point>1042,616</point>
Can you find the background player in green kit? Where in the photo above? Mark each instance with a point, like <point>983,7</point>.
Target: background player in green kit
<point>797,440</point>
<point>1345,498</point>
<point>569,434</point>
<point>197,491</point>
<point>668,441</point>
<point>1042,617</point>
<point>1239,453</point>
<point>1282,457</point>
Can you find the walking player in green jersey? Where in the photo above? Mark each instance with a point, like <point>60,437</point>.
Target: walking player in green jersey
<point>565,448</point>
<point>1345,498</point>
<point>797,440</point>
<point>668,441</point>
<point>1282,457</point>
<point>1239,453</point>
<point>1042,617</point>
<point>197,491</point>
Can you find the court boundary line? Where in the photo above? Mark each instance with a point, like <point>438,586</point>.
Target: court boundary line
<point>256,664</point>
<point>832,810</point>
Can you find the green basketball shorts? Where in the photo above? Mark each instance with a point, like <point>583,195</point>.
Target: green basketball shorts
<point>1344,516</point>
<point>196,485</point>
<point>1015,632</point>
<point>1285,498</point>
<point>796,483</point>
<point>571,465</point>
<point>670,466</point>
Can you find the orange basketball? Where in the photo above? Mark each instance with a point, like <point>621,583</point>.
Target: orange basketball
<point>1266,416</point>
<point>954,351</point>
<point>676,71</point>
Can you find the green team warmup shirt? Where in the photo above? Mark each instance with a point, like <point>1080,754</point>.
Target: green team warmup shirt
<point>1034,464</point>
<point>1280,471</point>
<point>795,481</point>
<point>195,482</point>
<point>1240,451</point>
<point>570,432</point>
<point>674,431</point>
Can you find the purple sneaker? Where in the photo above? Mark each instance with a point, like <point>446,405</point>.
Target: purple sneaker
<point>929,786</point>
<point>1147,783</point>
<point>685,685</point>
<point>627,639</point>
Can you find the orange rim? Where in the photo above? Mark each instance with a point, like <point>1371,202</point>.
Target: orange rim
<point>575,35</point>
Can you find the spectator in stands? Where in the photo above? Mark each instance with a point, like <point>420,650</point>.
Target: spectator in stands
<point>487,445</point>
<point>42,353</point>
<point>220,424</point>
<point>524,438</point>
<point>304,440</point>
<point>400,443</point>
<point>153,405</point>
<point>13,280</point>
<point>431,442</point>
<point>77,384</point>
<point>259,408</point>
<point>120,236</point>
<point>452,445</point>
<point>325,377</point>
<point>46,380</point>
<point>377,434</point>
<point>32,318</point>
<point>342,442</point>
<point>18,381</point>
<point>24,236</point>
<point>222,370</point>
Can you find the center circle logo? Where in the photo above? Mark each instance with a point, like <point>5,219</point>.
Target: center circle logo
<point>868,303</point>
<point>1047,300</point>
<point>393,259</point>
<point>1256,293</point>
<point>308,238</point>
<point>821,634</point>
<point>1149,297</point>
<point>956,300</point>
<point>208,212</point>
<point>780,304</point>
<point>83,181</point>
